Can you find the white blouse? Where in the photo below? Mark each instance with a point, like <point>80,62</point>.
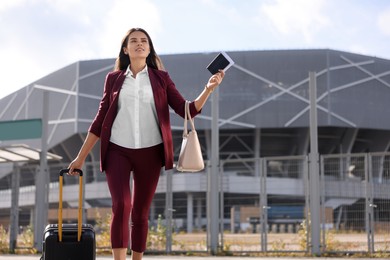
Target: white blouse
<point>136,123</point>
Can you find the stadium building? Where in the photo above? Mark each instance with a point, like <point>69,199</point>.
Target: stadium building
<point>263,113</point>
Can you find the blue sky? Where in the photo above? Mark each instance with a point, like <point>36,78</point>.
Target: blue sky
<point>38,37</point>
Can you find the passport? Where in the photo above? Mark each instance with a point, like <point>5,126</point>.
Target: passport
<point>221,62</point>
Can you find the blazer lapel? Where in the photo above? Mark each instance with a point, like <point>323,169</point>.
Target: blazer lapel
<point>114,96</point>
<point>118,85</point>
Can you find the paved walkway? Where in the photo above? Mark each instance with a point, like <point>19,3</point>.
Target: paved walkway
<point>36,257</point>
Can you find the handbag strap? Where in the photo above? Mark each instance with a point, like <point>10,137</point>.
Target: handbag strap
<point>187,116</point>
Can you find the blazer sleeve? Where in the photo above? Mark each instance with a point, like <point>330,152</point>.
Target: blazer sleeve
<point>96,125</point>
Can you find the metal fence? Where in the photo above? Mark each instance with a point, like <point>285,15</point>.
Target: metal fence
<point>270,209</point>
<point>356,188</point>
<point>264,204</point>
<point>354,195</point>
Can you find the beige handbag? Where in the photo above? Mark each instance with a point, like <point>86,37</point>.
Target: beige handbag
<point>190,158</point>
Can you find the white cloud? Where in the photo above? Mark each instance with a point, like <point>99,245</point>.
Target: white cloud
<point>224,10</point>
<point>18,71</point>
<point>40,36</point>
<point>75,10</point>
<point>303,17</point>
<point>383,22</point>
<point>121,17</point>
<point>65,5</point>
<point>7,4</point>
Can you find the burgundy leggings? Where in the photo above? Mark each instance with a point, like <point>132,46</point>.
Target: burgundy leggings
<point>145,164</point>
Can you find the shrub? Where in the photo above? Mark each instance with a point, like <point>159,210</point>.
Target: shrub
<point>331,244</point>
<point>4,240</point>
<point>157,235</point>
<point>102,230</point>
<point>26,241</point>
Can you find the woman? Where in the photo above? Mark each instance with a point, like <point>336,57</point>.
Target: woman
<point>133,126</point>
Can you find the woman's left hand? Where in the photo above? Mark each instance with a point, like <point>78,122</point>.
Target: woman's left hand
<point>215,80</point>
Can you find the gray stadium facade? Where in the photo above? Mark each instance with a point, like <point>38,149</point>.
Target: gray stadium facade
<point>263,112</point>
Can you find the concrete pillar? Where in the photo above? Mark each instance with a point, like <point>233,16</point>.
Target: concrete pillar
<point>190,212</point>
<point>32,217</point>
<point>152,213</point>
<point>290,228</point>
<point>282,228</point>
<point>15,182</point>
<point>199,214</point>
<point>274,228</point>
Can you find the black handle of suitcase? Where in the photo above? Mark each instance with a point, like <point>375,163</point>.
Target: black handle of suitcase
<point>80,210</point>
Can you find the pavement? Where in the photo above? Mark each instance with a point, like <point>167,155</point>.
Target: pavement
<point>153,257</point>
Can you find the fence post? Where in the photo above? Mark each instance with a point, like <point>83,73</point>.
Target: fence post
<point>314,178</point>
<point>221,205</point>
<point>42,180</point>
<point>322,198</point>
<point>263,203</point>
<point>212,182</point>
<point>168,211</point>
<point>369,212</point>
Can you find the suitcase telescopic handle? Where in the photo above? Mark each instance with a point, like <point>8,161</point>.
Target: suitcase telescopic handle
<point>80,211</point>
<point>80,172</point>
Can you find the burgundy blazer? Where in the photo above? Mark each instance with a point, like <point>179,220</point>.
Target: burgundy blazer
<point>165,94</point>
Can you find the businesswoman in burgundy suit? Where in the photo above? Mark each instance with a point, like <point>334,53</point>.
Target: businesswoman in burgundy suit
<point>134,129</point>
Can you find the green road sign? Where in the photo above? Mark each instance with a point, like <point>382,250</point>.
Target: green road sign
<point>20,129</point>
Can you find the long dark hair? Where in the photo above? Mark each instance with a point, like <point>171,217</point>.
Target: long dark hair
<point>123,60</point>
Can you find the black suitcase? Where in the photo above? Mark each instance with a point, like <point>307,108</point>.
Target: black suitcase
<point>69,241</point>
